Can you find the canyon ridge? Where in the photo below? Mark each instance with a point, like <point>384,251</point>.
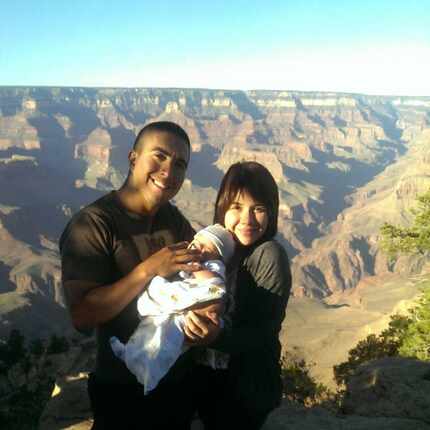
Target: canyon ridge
<point>344,164</point>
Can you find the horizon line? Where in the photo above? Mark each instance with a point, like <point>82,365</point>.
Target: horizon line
<point>174,88</point>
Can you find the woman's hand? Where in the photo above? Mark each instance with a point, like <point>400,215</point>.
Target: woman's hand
<point>170,260</point>
<point>199,330</point>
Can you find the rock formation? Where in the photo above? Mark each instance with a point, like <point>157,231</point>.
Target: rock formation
<point>390,387</point>
<point>344,164</point>
<point>387,394</point>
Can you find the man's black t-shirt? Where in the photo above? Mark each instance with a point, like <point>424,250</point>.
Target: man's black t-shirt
<point>103,243</point>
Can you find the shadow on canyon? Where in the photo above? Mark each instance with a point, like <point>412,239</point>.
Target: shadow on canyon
<point>202,170</point>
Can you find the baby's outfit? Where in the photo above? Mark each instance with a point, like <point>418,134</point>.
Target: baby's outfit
<point>159,338</point>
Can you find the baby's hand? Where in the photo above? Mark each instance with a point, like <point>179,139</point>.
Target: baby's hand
<point>210,310</point>
<point>200,331</point>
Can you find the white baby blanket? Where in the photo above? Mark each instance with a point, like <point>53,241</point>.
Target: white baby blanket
<point>158,340</point>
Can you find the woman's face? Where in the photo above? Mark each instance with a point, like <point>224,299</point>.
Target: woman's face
<point>246,218</point>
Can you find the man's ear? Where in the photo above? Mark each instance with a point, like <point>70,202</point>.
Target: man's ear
<point>132,156</point>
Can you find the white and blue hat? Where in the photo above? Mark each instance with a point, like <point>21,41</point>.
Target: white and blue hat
<point>221,238</point>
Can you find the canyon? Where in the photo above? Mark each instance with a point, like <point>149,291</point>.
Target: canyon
<point>344,164</point>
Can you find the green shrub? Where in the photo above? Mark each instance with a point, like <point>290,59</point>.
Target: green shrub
<point>14,349</point>
<point>298,385</point>
<point>416,339</point>
<point>57,344</point>
<point>25,407</point>
<point>386,344</point>
<point>37,347</point>
<point>414,239</point>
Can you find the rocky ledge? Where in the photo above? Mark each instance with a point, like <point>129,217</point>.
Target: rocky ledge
<point>387,394</point>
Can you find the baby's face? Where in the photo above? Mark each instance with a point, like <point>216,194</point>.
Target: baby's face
<point>205,246</point>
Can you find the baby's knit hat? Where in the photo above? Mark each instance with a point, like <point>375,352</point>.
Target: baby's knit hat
<point>221,238</point>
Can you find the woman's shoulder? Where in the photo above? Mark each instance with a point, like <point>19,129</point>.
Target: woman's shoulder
<point>267,256</point>
<point>269,266</point>
<point>271,250</point>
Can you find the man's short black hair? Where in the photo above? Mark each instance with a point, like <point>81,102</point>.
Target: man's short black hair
<point>161,126</point>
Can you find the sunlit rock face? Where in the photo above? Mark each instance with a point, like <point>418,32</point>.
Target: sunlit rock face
<point>344,164</point>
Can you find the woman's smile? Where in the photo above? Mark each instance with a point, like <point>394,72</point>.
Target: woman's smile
<point>246,218</point>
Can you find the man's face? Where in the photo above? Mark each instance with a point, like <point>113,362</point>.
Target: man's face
<point>158,168</point>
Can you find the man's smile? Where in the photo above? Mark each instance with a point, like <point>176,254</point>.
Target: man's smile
<point>159,184</point>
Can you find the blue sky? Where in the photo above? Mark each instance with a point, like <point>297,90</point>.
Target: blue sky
<point>373,47</point>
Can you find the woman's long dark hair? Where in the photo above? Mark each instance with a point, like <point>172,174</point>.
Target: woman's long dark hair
<point>256,180</point>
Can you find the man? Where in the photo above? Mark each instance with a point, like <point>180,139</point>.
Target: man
<point>110,251</point>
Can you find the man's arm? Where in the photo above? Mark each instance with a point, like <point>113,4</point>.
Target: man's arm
<point>92,304</point>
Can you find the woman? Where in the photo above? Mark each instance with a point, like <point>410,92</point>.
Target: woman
<point>244,394</point>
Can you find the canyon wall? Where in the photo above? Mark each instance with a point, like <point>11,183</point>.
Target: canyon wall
<point>344,164</point>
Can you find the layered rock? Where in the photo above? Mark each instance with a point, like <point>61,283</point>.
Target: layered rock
<point>390,387</point>
<point>69,405</point>
<point>344,164</point>
<point>294,417</point>
<point>320,147</point>
<point>95,151</point>
<point>17,132</point>
<point>349,249</point>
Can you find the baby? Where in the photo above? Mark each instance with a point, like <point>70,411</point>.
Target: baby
<point>159,338</point>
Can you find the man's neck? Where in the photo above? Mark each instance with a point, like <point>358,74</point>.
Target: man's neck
<point>133,201</point>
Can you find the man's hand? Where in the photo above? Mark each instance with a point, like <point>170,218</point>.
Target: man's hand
<point>170,260</point>
<point>93,304</point>
<point>201,330</point>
